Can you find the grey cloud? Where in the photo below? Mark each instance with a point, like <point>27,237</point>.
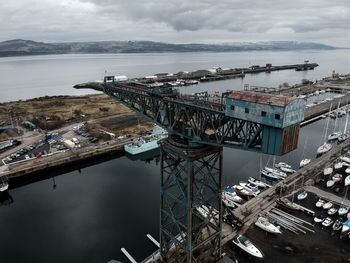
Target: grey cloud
<point>180,20</point>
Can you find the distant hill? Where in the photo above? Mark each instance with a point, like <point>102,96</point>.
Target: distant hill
<point>20,47</point>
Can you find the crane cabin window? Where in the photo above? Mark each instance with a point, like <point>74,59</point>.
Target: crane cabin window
<point>232,107</point>
<point>246,110</point>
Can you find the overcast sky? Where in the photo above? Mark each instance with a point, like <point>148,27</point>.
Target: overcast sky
<point>180,21</point>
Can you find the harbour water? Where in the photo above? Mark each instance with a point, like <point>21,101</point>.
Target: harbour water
<point>87,215</point>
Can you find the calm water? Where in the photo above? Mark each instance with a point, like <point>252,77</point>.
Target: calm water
<point>95,211</point>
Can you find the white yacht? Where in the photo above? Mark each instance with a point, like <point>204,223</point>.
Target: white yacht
<point>334,135</point>
<point>258,182</point>
<point>232,195</point>
<point>302,195</point>
<point>324,148</point>
<point>250,187</point>
<point>264,224</point>
<point>304,162</point>
<point>276,172</point>
<point>244,243</point>
<point>327,171</point>
<point>270,175</point>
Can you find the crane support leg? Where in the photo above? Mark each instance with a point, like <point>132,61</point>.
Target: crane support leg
<point>190,202</point>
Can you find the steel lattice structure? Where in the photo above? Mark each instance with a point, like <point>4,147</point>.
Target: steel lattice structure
<point>191,177</point>
<point>198,120</point>
<point>190,208</point>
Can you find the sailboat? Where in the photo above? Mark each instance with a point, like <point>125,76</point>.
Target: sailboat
<point>275,171</point>
<point>345,135</point>
<point>304,161</point>
<point>335,134</point>
<point>325,147</point>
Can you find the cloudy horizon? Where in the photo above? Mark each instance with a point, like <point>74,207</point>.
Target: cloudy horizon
<point>222,21</point>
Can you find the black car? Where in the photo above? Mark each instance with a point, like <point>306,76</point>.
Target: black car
<point>93,140</point>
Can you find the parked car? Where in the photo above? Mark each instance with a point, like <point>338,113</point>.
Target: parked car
<point>44,152</point>
<point>75,140</point>
<point>27,157</point>
<point>93,140</point>
<point>32,155</point>
<point>39,154</point>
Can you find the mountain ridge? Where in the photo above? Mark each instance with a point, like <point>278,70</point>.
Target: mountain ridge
<point>21,47</point>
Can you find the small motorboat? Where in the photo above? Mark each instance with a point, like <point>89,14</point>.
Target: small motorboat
<point>269,175</point>
<point>304,162</point>
<point>343,210</point>
<point>4,185</point>
<point>276,172</point>
<point>347,180</point>
<point>265,224</point>
<point>327,206</point>
<point>330,183</point>
<point>320,203</point>
<point>285,203</point>
<point>327,222</point>
<point>302,195</point>
<point>283,164</point>
<point>332,211</point>
<point>343,137</point>
<point>334,135</point>
<point>319,219</point>
<point>324,148</point>
<point>242,191</point>
<point>345,159</point>
<point>338,224</point>
<point>338,166</point>
<point>345,164</point>
<point>229,203</point>
<point>347,170</point>
<point>346,226</point>
<point>244,243</point>
<point>328,171</point>
<point>250,187</point>
<point>232,195</point>
<point>259,183</point>
<point>337,178</point>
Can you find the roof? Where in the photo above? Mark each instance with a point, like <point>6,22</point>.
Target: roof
<point>262,98</point>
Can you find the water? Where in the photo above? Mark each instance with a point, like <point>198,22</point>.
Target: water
<point>94,212</point>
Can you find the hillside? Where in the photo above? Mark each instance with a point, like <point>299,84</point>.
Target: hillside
<point>19,47</point>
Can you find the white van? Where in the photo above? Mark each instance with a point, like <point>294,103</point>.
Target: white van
<point>75,140</point>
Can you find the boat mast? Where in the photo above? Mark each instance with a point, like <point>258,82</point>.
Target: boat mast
<point>325,135</point>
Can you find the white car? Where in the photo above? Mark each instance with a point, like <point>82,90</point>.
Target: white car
<point>27,157</point>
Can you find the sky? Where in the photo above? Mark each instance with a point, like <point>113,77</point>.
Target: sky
<point>177,21</point>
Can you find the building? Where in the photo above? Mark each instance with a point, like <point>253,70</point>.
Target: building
<point>280,116</point>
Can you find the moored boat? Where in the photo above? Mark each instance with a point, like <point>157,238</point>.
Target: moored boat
<point>345,159</point>
<point>337,177</point>
<point>259,183</point>
<point>302,195</point>
<point>229,203</point>
<point>338,165</point>
<point>242,191</point>
<point>319,219</point>
<point>343,210</point>
<point>285,203</point>
<point>327,222</point>
<point>265,224</point>
<point>327,171</point>
<point>320,203</point>
<point>304,162</point>
<point>338,224</point>
<point>330,183</point>
<point>244,243</point>
<point>346,226</point>
<point>250,187</point>
<point>328,205</point>
<point>232,195</point>
<point>334,135</point>
<point>332,211</point>
<point>347,180</point>
<point>276,172</point>
<point>324,148</point>
<point>269,175</point>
